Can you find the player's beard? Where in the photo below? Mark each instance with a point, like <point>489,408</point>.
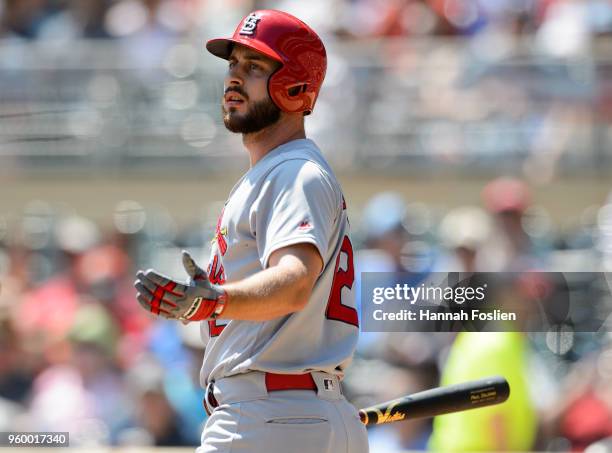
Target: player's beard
<point>259,115</point>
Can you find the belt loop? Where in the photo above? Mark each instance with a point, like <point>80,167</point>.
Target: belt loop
<point>205,404</point>
<point>210,402</point>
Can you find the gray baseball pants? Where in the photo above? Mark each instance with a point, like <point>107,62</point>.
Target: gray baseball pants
<point>248,418</point>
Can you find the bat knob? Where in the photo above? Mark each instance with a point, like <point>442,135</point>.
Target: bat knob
<point>363,416</point>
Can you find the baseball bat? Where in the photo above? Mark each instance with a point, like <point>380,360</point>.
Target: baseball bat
<point>438,401</point>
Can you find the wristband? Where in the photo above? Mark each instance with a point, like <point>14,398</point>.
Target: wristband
<point>221,304</point>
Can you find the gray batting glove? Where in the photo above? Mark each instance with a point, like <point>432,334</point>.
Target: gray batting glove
<point>195,301</point>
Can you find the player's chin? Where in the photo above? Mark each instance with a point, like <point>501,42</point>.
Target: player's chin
<point>232,113</point>
<point>234,122</point>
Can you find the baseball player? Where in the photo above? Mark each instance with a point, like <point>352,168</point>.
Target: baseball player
<point>276,304</point>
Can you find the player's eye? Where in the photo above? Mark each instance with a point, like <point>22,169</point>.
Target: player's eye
<point>254,67</point>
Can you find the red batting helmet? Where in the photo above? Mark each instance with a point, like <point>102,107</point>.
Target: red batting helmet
<point>294,87</point>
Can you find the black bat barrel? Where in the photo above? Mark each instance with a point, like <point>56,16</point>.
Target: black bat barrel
<point>439,401</point>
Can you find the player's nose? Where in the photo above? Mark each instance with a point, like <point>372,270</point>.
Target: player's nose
<point>233,77</point>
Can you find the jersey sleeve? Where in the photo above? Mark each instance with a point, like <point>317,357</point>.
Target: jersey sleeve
<point>297,204</point>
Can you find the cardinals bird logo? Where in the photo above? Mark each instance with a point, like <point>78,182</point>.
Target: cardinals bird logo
<point>220,235</point>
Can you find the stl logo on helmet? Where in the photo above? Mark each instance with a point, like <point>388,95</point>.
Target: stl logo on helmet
<point>250,24</point>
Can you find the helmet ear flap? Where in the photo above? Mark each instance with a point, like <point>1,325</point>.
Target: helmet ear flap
<point>298,88</point>
<point>289,95</point>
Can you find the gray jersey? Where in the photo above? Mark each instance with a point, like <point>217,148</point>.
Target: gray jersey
<point>290,196</point>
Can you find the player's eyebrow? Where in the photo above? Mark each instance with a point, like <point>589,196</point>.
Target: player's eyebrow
<point>252,56</point>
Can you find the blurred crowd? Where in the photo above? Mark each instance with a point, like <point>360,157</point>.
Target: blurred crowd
<point>78,354</point>
<point>572,20</point>
<point>126,83</point>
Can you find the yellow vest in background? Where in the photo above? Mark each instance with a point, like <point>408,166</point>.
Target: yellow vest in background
<point>476,355</point>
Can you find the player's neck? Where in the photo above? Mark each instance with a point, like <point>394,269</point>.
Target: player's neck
<point>260,143</point>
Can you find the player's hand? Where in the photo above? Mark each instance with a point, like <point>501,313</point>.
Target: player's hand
<point>196,300</point>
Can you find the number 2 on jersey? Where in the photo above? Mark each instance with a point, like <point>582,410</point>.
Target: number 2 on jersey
<point>336,310</point>
<point>342,278</point>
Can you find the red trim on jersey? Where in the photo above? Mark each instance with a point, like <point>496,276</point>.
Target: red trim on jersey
<point>214,329</point>
<point>221,242</point>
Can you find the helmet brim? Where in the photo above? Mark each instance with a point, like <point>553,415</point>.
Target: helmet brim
<point>222,47</point>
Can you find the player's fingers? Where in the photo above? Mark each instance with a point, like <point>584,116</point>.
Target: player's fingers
<point>194,271</point>
<point>154,306</point>
<point>169,285</point>
<point>155,277</point>
<point>145,302</point>
<point>156,290</point>
<point>156,294</point>
<point>147,284</point>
